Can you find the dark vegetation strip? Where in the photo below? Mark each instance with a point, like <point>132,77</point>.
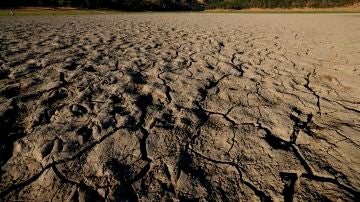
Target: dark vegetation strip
<point>129,5</point>
<point>243,4</point>
<point>176,5</point>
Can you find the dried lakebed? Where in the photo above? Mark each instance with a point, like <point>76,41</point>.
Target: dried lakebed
<point>231,107</point>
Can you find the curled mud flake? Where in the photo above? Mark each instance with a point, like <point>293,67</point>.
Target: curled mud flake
<point>56,95</point>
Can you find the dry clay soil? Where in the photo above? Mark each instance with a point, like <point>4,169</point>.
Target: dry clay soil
<point>185,106</point>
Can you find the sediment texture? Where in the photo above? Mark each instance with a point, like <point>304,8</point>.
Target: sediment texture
<point>231,107</point>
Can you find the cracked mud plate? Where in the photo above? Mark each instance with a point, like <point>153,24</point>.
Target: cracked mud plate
<point>205,107</point>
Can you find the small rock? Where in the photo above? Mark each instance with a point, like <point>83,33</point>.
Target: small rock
<point>70,66</point>
<point>69,60</point>
<point>78,109</point>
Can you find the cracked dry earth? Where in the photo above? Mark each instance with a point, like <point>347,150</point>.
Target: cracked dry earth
<point>149,107</point>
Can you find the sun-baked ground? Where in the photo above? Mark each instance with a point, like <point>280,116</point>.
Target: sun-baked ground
<point>180,106</point>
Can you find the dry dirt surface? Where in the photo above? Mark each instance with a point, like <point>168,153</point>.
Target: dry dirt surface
<point>184,106</point>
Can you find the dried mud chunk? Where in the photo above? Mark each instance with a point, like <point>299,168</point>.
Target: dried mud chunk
<point>30,97</point>
<point>57,95</point>
<point>312,190</point>
<point>78,110</point>
<point>113,66</point>
<point>23,70</point>
<point>44,117</point>
<point>47,187</point>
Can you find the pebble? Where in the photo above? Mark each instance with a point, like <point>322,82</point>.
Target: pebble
<point>78,109</point>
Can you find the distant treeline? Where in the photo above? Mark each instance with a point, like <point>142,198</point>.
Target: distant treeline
<point>240,4</point>
<point>138,5</point>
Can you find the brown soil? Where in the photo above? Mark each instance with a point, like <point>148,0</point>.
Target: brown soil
<point>150,107</point>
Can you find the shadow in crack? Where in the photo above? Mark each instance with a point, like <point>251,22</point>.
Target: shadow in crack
<point>142,102</point>
<point>289,180</point>
<point>10,131</point>
<point>137,77</point>
<point>188,166</point>
<point>276,142</point>
<point>186,121</point>
<point>123,173</point>
<point>10,91</point>
<point>200,113</point>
